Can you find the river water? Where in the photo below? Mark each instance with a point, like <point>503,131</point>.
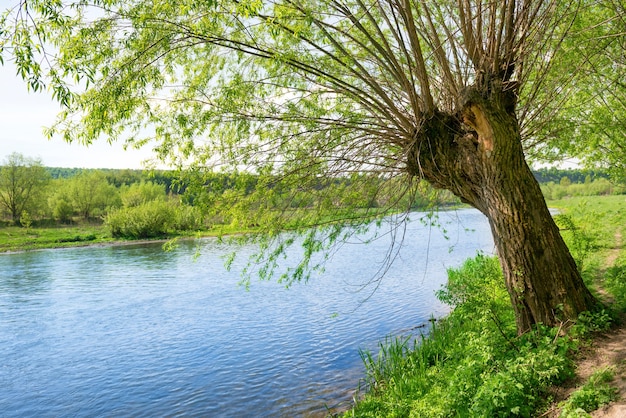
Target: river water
<point>135,331</point>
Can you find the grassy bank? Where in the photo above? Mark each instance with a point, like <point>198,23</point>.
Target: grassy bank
<point>13,238</point>
<point>473,364</point>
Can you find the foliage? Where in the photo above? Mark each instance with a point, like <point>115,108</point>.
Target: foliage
<point>580,175</point>
<point>25,220</point>
<point>472,363</point>
<point>590,125</point>
<point>60,202</point>
<point>147,213</point>
<point>139,193</point>
<point>598,187</point>
<point>581,241</point>
<point>595,393</point>
<point>591,322</point>
<point>91,194</point>
<point>22,180</point>
<point>152,219</point>
<point>615,282</point>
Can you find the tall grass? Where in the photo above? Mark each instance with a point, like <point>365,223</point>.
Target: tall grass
<point>472,363</point>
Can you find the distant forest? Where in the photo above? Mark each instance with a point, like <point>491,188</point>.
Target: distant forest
<point>118,177</point>
<point>547,175</point>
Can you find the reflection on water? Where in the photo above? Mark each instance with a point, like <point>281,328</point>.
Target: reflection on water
<point>134,331</point>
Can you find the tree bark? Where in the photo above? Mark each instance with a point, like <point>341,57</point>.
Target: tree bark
<point>477,154</point>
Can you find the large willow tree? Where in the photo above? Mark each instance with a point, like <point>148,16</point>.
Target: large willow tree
<point>444,91</point>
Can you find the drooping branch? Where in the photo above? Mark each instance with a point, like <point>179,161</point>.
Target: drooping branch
<point>397,61</point>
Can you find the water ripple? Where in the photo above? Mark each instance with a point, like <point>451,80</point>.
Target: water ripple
<point>133,331</point>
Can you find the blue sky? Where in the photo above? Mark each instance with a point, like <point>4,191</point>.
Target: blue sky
<point>23,115</point>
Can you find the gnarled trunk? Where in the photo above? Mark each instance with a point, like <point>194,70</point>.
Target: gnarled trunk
<point>477,154</point>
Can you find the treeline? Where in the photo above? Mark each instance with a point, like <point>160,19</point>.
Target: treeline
<point>143,204</point>
<point>554,175</point>
<point>557,184</point>
<point>117,177</point>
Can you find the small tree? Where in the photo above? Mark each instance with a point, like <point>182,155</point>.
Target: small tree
<point>139,193</point>
<point>22,181</point>
<point>25,220</point>
<point>565,181</point>
<point>59,201</point>
<point>91,192</point>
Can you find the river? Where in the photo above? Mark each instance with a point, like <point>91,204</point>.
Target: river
<point>135,331</point>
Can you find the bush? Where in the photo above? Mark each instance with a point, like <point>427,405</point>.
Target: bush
<point>188,218</point>
<point>152,219</point>
<point>147,220</point>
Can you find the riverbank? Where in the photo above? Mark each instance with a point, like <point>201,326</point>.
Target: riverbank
<point>16,239</point>
<point>81,234</point>
<point>473,364</point>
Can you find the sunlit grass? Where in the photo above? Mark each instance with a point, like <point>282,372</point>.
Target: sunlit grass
<point>19,239</point>
<point>473,363</point>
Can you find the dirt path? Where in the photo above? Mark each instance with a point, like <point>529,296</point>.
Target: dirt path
<point>610,350</point>
<point>607,350</point>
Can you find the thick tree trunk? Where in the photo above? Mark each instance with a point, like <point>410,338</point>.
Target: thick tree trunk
<point>477,154</point>
<point>541,276</point>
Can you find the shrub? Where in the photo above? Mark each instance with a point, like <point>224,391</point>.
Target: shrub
<point>153,219</point>
<point>147,220</point>
<point>188,218</point>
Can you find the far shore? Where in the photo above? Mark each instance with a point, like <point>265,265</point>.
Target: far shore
<point>14,240</point>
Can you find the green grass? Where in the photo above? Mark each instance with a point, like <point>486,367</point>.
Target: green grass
<point>13,238</point>
<point>600,224</point>
<point>21,239</point>
<point>472,364</point>
<point>601,217</point>
<point>595,393</point>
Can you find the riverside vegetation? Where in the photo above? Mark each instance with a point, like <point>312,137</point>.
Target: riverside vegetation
<point>473,364</point>
<point>75,207</point>
<point>70,207</point>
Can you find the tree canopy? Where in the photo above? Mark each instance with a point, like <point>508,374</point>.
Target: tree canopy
<point>300,93</point>
<point>593,122</point>
<point>338,86</point>
<point>22,180</point>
